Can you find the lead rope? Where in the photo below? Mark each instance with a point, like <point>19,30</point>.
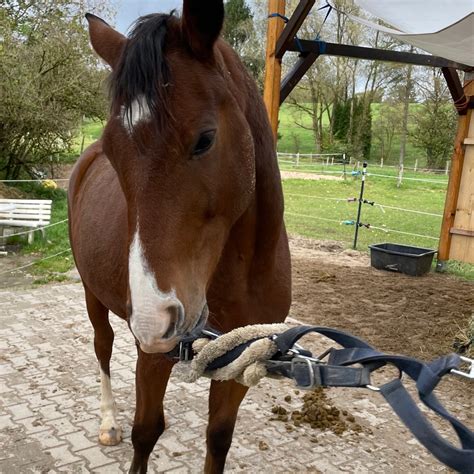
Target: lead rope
<point>249,353</point>
<point>239,355</point>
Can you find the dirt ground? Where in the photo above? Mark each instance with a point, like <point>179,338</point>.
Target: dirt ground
<point>416,316</point>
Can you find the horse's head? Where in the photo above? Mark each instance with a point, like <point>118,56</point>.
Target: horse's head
<point>183,152</point>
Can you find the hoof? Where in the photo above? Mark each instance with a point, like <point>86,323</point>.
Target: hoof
<point>110,437</point>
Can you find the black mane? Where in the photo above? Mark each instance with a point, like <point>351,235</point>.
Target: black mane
<point>142,71</point>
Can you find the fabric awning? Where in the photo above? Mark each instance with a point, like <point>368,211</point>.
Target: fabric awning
<point>442,27</point>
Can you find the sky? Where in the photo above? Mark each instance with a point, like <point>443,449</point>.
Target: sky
<point>129,10</point>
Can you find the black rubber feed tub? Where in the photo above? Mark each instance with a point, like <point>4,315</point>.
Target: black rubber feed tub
<point>415,261</point>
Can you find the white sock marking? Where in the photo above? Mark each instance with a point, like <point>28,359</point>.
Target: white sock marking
<point>108,409</point>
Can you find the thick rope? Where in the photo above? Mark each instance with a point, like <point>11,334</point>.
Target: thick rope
<point>248,369</point>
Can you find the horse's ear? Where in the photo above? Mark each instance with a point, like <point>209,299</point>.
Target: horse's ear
<point>107,42</point>
<point>202,22</point>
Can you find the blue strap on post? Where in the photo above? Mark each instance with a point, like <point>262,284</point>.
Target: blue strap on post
<point>279,15</point>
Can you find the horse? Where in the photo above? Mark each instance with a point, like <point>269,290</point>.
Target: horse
<point>176,212</point>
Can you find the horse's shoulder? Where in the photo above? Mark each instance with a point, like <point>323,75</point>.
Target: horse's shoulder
<point>90,157</point>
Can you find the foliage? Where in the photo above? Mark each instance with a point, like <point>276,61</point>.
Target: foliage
<point>237,18</point>
<point>386,127</point>
<point>342,119</point>
<point>49,80</point>
<point>239,32</point>
<point>352,123</point>
<point>435,123</point>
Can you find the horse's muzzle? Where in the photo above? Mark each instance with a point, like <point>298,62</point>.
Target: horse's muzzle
<point>177,330</point>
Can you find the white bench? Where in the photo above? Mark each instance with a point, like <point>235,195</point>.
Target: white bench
<point>26,213</point>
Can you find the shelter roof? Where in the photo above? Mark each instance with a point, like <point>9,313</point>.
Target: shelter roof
<point>442,27</point>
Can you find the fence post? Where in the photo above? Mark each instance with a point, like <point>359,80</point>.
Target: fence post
<point>381,162</point>
<point>446,171</point>
<point>297,159</point>
<point>359,208</point>
<point>332,160</point>
<point>416,165</point>
<point>400,176</point>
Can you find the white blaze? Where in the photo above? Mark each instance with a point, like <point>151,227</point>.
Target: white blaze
<point>138,112</point>
<point>150,318</point>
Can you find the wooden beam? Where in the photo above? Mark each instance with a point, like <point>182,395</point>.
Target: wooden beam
<point>452,194</point>
<point>455,88</point>
<point>333,49</point>
<point>292,27</point>
<point>271,90</point>
<point>466,233</point>
<point>294,76</point>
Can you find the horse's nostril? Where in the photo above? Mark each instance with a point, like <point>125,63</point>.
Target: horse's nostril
<point>176,314</point>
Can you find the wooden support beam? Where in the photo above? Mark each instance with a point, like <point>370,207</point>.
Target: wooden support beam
<point>333,49</point>
<point>292,27</point>
<point>452,194</point>
<point>291,80</point>
<point>271,91</point>
<point>455,88</point>
<point>467,233</point>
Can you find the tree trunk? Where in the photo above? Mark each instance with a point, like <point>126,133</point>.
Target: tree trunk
<point>406,105</point>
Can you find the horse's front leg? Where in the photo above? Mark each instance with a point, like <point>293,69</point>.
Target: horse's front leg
<point>152,374</point>
<point>224,402</point>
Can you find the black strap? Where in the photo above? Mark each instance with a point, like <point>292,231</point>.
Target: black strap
<point>426,376</point>
<point>309,375</point>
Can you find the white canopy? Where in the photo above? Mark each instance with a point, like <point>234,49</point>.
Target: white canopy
<point>442,27</point>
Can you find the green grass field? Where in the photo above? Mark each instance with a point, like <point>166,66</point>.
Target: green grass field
<point>89,133</point>
<point>326,209</point>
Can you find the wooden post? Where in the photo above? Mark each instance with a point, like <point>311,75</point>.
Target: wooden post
<point>271,90</point>
<point>446,170</point>
<point>457,162</point>
<point>416,165</point>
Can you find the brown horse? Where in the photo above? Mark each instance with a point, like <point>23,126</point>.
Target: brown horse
<point>176,213</point>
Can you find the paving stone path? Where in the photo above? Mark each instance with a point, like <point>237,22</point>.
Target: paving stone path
<point>49,413</point>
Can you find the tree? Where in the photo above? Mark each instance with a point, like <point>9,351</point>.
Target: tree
<point>239,32</point>
<point>435,121</point>
<point>49,80</point>
<point>238,16</point>
<point>386,127</point>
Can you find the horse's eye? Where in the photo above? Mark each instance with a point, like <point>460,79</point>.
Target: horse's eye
<point>205,142</point>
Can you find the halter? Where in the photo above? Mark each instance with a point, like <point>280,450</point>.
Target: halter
<point>269,350</point>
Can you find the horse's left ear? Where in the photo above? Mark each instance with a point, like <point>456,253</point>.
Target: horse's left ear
<point>202,22</point>
<point>107,42</point>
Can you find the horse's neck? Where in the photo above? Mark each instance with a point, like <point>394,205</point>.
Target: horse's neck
<point>265,214</point>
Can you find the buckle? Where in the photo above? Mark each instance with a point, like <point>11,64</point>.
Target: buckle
<point>185,350</point>
<point>307,361</point>
<point>469,373</point>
